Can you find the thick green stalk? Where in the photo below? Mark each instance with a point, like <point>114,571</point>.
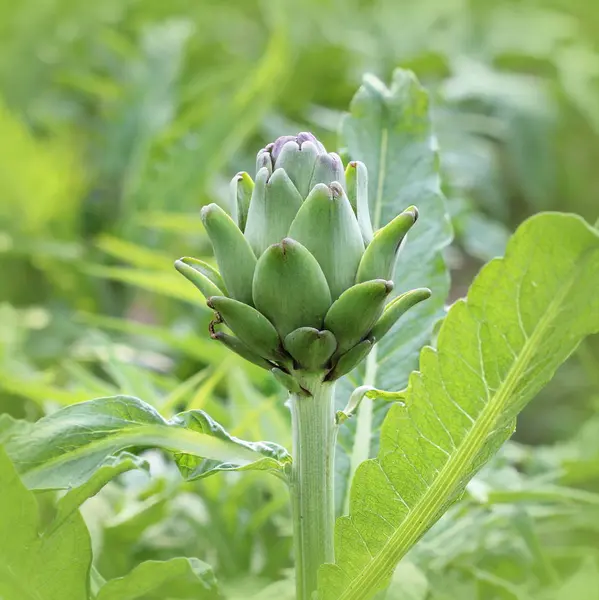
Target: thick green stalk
<point>312,481</point>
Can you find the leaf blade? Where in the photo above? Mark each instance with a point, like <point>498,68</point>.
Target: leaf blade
<point>177,578</point>
<point>496,350</point>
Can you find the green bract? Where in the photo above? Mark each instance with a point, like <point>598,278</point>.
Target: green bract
<point>303,282</point>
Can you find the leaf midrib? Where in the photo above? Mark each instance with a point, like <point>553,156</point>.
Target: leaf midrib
<point>382,173</point>
<point>419,518</point>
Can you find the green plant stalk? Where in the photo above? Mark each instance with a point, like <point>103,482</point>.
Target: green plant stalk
<point>312,481</point>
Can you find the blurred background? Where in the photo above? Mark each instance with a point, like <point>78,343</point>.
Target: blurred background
<point>119,119</point>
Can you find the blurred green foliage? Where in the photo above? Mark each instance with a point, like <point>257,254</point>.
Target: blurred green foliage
<point>120,119</point>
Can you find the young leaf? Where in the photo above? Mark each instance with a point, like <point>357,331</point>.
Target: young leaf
<point>389,129</point>
<point>33,566</point>
<point>523,317</point>
<point>156,580</point>
<point>66,448</point>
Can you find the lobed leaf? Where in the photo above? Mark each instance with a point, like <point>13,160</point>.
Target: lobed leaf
<point>389,129</point>
<point>524,315</point>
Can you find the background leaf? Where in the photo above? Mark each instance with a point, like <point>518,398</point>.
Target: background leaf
<point>389,129</point>
<point>181,578</point>
<point>522,318</point>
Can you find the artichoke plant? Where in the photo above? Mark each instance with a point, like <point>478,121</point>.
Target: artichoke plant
<point>303,283</point>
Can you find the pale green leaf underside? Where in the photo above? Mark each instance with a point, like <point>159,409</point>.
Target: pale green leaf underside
<point>389,129</point>
<point>66,448</point>
<point>523,316</point>
<point>156,580</point>
<point>32,567</point>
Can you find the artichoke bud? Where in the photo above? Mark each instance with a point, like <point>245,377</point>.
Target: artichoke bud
<point>250,326</point>
<point>241,349</point>
<point>290,288</point>
<point>356,177</point>
<point>355,312</point>
<point>351,359</point>
<point>396,308</point>
<point>327,226</point>
<point>381,254</point>
<point>241,194</point>
<point>235,258</point>
<point>274,204</point>
<point>302,280</point>
<point>310,348</point>
<point>202,275</point>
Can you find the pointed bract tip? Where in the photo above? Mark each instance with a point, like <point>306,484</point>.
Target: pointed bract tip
<point>209,302</point>
<point>414,211</point>
<point>305,136</point>
<point>336,189</point>
<point>184,262</point>
<point>208,210</point>
<point>389,285</point>
<point>286,243</point>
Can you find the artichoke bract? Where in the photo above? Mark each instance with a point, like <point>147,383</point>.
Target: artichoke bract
<point>303,282</point>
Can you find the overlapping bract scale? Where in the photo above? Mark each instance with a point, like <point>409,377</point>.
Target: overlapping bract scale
<point>303,282</point>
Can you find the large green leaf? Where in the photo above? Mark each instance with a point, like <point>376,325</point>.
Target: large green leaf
<point>389,129</point>
<point>65,449</point>
<point>523,316</point>
<point>185,578</point>
<point>32,567</point>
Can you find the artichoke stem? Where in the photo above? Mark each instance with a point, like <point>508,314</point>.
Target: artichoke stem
<point>312,481</point>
